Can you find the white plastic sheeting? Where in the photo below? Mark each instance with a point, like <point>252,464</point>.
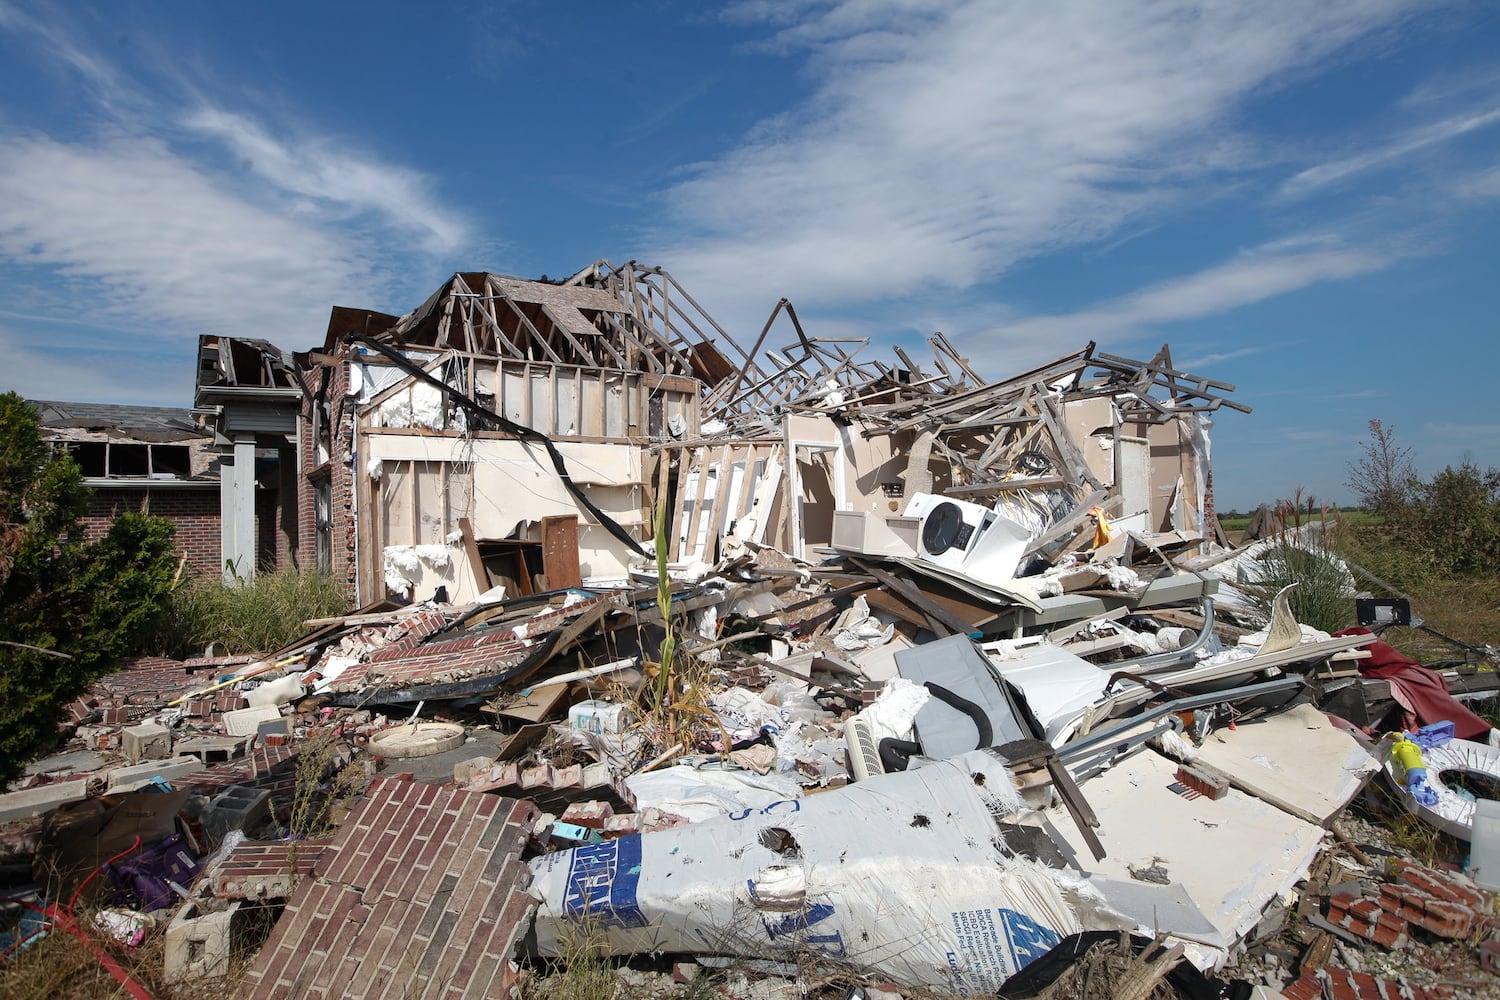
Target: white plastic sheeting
<point>903,876</point>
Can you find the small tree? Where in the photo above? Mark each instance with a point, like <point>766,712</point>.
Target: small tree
<point>1456,518</point>
<point>69,609</point>
<point>1384,476</point>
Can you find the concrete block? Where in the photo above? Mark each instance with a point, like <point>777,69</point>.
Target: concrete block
<point>246,721</point>
<point>212,749</point>
<point>199,942</point>
<point>147,741</point>
<point>466,770</point>
<point>129,778</point>
<point>35,801</point>
<point>236,808</point>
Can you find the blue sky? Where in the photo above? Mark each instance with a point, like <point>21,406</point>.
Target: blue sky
<point>1302,198</point>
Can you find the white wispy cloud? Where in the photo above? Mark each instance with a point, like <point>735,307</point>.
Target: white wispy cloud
<point>1401,146</point>
<point>945,142</point>
<point>146,236</point>
<point>167,214</point>
<point>1202,361</point>
<point>122,372</point>
<point>1249,278</point>
<point>318,169</point>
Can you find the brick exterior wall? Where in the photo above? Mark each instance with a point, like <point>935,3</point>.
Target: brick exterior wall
<point>338,472</point>
<point>195,512</point>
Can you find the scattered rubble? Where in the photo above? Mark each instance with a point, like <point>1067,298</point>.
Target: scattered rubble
<point>785,670</point>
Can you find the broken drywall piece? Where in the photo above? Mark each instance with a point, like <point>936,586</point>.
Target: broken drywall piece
<point>1233,855</point>
<point>1297,760</point>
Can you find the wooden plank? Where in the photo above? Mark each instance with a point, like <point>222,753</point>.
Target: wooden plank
<point>743,492</point>
<point>674,535</point>
<point>950,624</point>
<point>700,457</point>
<point>471,550</point>
<point>560,551</point>
<point>537,704</point>
<point>723,473</point>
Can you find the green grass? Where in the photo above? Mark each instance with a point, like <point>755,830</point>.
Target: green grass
<point>252,618</point>
<point>1352,518</point>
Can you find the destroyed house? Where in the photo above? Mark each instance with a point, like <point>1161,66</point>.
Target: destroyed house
<point>520,433</point>
<point>147,459</point>
<point>432,446</point>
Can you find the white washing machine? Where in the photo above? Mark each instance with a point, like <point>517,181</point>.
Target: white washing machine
<point>950,529</point>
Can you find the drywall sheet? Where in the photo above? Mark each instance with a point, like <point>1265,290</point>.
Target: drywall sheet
<point>1232,856</point>
<point>1296,759</point>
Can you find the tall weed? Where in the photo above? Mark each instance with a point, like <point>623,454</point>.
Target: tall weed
<point>260,616</point>
<point>1305,553</point>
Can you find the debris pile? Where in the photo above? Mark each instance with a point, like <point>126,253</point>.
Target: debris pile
<point>787,667</point>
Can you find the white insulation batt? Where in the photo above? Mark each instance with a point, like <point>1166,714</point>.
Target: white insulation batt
<point>901,876</point>
<point>403,565</point>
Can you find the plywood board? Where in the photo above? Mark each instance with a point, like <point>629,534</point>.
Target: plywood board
<point>536,704</point>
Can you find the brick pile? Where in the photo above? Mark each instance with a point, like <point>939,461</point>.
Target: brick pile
<point>404,659</point>
<point>434,663</point>
<point>1445,904</point>
<point>1342,984</point>
<point>555,788</point>
<point>422,893</point>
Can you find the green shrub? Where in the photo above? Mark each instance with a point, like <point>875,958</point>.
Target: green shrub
<point>69,609</point>
<point>260,616</point>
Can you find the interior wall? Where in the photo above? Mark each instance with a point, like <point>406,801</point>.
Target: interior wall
<point>512,486</point>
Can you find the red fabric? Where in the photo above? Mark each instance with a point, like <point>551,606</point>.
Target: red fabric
<point>1418,687</point>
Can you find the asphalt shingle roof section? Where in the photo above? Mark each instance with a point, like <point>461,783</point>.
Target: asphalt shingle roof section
<point>55,413</point>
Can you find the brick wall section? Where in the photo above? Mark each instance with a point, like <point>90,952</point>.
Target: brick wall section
<point>195,512</point>
<point>338,472</point>
<point>421,894</point>
<point>267,869</point>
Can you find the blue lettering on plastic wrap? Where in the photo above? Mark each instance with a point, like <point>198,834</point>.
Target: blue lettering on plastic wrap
<point>795,924</point>
<point>602,881</point>
<point>1028,939</point>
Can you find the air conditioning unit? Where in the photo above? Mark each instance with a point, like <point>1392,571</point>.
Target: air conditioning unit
<point>950,529</point>
<point>864,751</point>
<point>871,534</point>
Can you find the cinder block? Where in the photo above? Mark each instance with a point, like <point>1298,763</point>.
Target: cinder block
<point>199,942</point>
<point>125,779</point>
<point>246,721</point>
<point>44,798</point>
<point>236,808</point>
<point>148,741</point>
